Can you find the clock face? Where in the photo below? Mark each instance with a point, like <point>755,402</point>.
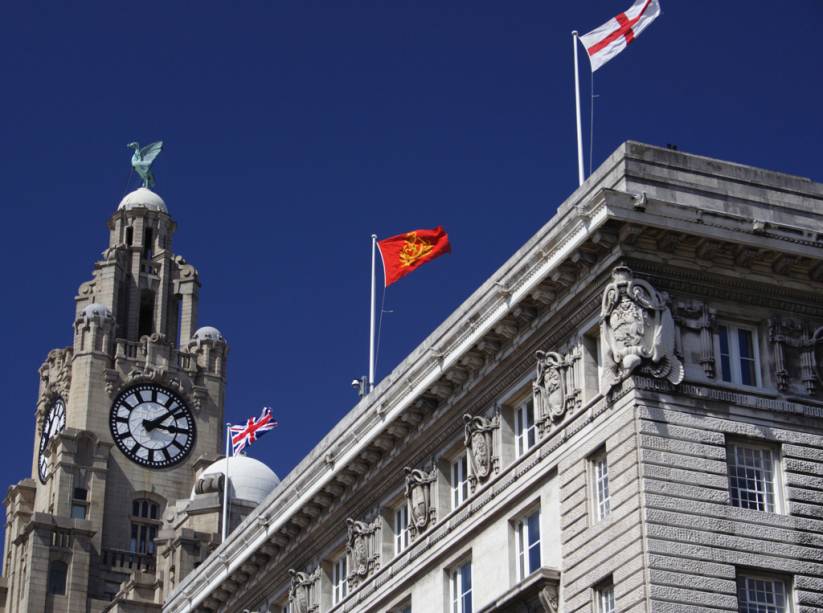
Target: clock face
<point>152,426</point>
<point>54,422</point>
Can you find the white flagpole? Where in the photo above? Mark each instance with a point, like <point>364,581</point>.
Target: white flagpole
<point>226,487</point>
<point>580,175</point>
<point>373,306</point>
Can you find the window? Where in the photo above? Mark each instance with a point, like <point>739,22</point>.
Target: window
<point>752,476</point>
<point>78,503</point>
<point>600,485</point>
<point>736,346</point>
<point>460,588</point>
<point>762,594</point>
<point>604,597</point>
<point>527,535</point>
<point>339,582</point>
<point>401,529</point>
<point>459,480</point>
<point>144,522</point>
<point>57,577</point>
<point>524,428</point>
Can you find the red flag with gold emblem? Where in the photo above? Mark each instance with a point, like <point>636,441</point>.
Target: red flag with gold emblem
<point>405,253</point>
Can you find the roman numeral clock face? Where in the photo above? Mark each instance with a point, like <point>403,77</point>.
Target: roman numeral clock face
<point>152,426</point>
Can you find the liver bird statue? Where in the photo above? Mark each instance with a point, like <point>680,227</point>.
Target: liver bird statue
<point>142,159</point>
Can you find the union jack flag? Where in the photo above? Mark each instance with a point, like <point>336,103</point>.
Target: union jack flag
<point>251,431</point>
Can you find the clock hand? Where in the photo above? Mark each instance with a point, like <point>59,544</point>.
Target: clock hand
<point>151,424</point>
<point>173,429</point>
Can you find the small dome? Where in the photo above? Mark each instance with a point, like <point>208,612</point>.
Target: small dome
<point>208,333</point>
<point>250,479</point>
<point>97,310</point>
<point>143,198</point>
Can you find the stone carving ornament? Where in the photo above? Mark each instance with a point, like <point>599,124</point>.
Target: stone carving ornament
<point>361,551</point>
<point>637,331</point>
<point>300,590</point>
<point>554,390</point>
<point>55,376</point>
<point>418,499</point>
<point>479,441</point>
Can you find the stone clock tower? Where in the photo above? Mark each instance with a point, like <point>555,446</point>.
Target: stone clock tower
<point>126,419</point>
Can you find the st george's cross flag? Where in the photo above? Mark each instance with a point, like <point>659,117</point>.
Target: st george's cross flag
<point>605,42</point>
<point>405,253</point>
<point>242,436</point>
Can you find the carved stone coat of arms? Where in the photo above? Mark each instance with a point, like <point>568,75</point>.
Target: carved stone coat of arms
<point>479,442</point>
<point>418,497</point>
<point>637,331</point>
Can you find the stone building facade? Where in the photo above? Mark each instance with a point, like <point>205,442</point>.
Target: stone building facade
<point>127,420</point>
<point>625,417</point>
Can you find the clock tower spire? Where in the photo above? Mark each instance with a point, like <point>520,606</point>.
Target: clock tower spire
<point>126,419</point>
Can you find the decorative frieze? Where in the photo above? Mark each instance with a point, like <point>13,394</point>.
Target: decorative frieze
<point>479,439</point>
<point>637,331</point>
<point>362,549</point>
<point>555,389</point>
<point>418,492</point>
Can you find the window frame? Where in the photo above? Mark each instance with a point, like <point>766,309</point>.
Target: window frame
<point>601,508</point>
<point>402,534</point>
<point>735,371</point>
<point>79,503</point>
<point>457,590</point>
<point>57,578</point>
<point>459,480</point>
<point>604,597</point>
<point>339,584</point>
<point>524,438</point>
<point>144,527</point>
<point>777,494</point>
<point>786,582</point>
<point>523,546</point>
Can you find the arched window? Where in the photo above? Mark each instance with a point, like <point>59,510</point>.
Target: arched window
<point>145,519</point>
<point>57,577</point>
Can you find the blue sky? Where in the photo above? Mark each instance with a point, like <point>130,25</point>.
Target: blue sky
<point>294,130</point>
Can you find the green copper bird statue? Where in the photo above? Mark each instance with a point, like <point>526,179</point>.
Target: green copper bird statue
<point>142,159</point>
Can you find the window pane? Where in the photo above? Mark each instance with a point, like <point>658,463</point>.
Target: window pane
<point>725,357</point>
<point>466,585</point>
<point>751,477</point>
<point>534,541</point>
<point>761,595</point>
<point>601,483</point>
<point>747,365</point>
<point>606,599</point>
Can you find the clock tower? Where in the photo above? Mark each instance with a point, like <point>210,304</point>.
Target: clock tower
<point>125,421</point>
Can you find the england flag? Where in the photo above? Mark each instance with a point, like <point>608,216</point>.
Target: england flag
<point>605,42</point>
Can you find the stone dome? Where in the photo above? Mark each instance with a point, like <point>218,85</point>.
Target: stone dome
<point>97,310</point>
<point>208,333</point>
<point>142,198</point>
<point>250,479</point>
